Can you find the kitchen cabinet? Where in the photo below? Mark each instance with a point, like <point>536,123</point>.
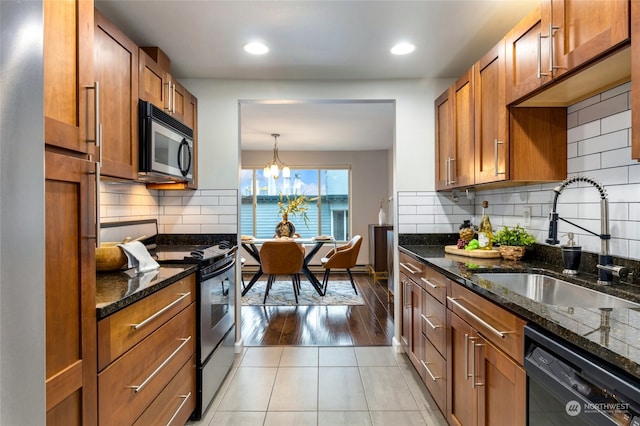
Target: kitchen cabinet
<point>424,324</point>
<point>482,142</point>
<point>158,86</point>
<point>70,314</point>
<point>487,383</point>
<point>491,117</point>
<point>635,81</point>
<point>146,359</point>
<point>454,135</point>
<point>116,69</point>
<point>70,222</point>
<point>69,83</point>
<point>560,37</point>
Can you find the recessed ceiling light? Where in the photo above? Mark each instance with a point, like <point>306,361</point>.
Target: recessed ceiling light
<point>255,48</point>
<point>402,48</point>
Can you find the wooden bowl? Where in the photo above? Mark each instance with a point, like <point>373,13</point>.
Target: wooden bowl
<point>110,257</point>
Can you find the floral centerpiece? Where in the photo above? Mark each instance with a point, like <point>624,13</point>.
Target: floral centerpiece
<point>513,242</point>
<point>296,206</point>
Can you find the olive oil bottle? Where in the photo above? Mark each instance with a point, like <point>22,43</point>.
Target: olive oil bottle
<point>485,232</point>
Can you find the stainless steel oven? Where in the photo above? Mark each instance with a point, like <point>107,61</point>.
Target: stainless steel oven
<point>216,330</point>
<point>568,387</point>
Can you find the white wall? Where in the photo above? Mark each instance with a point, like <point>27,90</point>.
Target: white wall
<point>218,121</point>
<point>599,146</point>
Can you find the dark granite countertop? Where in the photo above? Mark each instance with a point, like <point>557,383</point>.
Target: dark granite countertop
<point>610,334</point>
<point>117,290</point>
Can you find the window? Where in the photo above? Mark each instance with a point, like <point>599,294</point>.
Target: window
<point>328,214</point>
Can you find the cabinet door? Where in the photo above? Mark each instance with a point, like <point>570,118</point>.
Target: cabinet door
<point>116,69</point>
<point>501,385</point>
<point>152,81</point>
<point>191,120</point>
<point>585,30</point>
<point>462,403</point>
<point>68,74</point>
<point>463,162</point>
<point>179,99</point>
<point>635,80</point>
<point>526,57</point>
<point>70,291</point>
<point>417,348</point>
<point>445,144</point>
<point>406,285</point>
<point>491,125</point>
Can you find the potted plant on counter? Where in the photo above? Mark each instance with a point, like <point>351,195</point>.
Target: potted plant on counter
<point>513,242</point>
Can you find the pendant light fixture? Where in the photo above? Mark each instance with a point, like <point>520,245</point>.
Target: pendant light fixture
<point>272,169</point>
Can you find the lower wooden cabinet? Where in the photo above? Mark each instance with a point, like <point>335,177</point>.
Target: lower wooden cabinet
<point>486,387</point>
<point>468,351</point>
<point>153,381</point>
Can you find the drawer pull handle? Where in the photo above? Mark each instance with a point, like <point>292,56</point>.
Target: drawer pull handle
<point>430,283</point>
<point>139,387</point>
<point>160,312</point>
<point>501,334</point>
<point>432,325</point>
<point>425,365</point>
<point>185,398</point>
<point>413,271</point>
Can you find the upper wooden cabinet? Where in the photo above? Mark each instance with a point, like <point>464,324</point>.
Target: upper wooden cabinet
<point>480,141</point>
<point>562,36</point>
<point>491,112</point>
<point>158,86</point>
<point>635,81</point>
<point>69,83</point>
<point>454,135</point>
<point>116,69</point>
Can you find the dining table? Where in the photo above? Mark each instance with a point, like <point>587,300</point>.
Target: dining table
<point>252,247</point>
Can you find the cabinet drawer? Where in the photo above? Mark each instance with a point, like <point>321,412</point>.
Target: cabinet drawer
<point>176,402</point>
<point>497,325</point>
<point>434,374</point>
<point>434,322</point>
<point>119,332</point>
<point>435,283</point>
<point>130,384</point>
<point>411,267</point>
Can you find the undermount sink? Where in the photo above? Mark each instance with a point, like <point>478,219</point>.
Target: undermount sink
<point>553,291</point>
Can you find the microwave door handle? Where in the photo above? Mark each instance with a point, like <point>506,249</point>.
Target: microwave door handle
<point>180,165</point>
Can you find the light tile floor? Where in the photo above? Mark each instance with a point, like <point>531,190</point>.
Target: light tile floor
<point>287,385</point>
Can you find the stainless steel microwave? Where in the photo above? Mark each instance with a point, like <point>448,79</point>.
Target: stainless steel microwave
<point>166,147</point>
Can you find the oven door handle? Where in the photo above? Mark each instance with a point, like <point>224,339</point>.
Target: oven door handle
<point>160,312</point>
<point>215,273</point>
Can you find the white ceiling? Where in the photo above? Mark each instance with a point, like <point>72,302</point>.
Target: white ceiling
<point>317,40</point>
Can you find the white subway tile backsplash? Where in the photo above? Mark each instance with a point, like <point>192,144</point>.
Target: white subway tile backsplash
<point>583,132</point>
<point>182,211</point>
<point>620,121</point>
<point>617,158</point>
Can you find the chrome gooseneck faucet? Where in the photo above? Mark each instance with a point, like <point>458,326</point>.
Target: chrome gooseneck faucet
<point>606,269</point>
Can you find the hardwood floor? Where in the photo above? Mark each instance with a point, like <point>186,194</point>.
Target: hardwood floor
<point>370,324</point>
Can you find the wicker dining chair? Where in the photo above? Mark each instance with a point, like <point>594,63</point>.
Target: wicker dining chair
<point>282,258</point>
<point>343,257</point>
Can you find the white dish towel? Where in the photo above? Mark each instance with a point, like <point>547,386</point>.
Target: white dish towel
<point>138,257</point>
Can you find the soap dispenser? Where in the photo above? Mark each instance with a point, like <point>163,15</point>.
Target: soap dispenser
<point>571,256</point>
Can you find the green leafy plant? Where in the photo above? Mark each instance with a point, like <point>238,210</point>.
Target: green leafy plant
<point>294,205</point>
<point>516,236</point>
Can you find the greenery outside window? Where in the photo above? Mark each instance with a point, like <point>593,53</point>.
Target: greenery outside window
<point>328,214</point>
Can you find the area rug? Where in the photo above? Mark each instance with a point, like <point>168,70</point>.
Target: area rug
<point>281,293</point>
